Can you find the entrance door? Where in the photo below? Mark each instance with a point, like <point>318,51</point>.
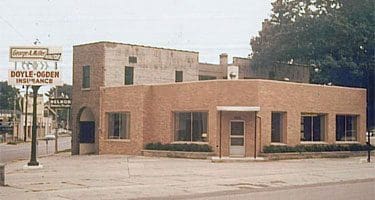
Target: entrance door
<point>237,138</point>
<point>87,132</point>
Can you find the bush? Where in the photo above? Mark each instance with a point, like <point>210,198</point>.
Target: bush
<point>179,147</point>
<point>317,148</point>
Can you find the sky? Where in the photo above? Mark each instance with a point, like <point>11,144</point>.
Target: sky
<point>210,27</point>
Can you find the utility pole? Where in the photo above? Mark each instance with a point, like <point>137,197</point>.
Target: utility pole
<point>14,118</point>
<point>33,161</point>
<point>26,105</point>
<point>57,125</point>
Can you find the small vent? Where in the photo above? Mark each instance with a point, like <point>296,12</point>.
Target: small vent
<point>132,59</point>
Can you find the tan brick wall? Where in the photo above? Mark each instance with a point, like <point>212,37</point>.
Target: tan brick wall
<point>92,55</point>
<point>294,98</point>
<point>133,103</point>
<point>153,107</point>
<point>154,65</point>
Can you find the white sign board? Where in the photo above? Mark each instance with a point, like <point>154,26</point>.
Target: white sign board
<point>34,77</point>
<point>34,66</point>
<point>35,53</point>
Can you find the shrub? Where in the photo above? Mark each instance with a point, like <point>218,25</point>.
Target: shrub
<point>179,147</point>
<point>316,148</point>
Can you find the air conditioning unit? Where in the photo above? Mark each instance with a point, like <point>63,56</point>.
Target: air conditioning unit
<point>232,72</point>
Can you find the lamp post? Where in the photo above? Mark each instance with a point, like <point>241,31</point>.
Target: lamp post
<point>33,161</point>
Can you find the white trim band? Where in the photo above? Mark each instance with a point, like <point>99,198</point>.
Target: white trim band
<point>238,108</point>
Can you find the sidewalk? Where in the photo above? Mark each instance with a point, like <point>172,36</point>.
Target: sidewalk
<point>125,177</point>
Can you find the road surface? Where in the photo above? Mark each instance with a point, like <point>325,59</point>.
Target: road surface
<point>10,153</point>
<point>347,190</point>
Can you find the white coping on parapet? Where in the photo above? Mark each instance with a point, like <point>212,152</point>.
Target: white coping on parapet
<point>238,108</point>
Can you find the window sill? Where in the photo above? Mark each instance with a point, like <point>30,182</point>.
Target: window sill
<point>117,140</point>
<point>347,142</point>
<point>187,142</point>
<point>278,144</point>
<point>85,89</point>
<point>313,142</point>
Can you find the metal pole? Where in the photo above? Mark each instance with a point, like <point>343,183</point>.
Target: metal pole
<point>25,125</point>
<point>56,135</point>
<point>57,125</point>
<point>14,118</point>
<point>220,136</point>
<point>369,146</point>
<point>255,135</point>
<point>33,161</point>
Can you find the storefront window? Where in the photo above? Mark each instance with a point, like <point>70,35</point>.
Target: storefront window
<point>191,126</point>
<point>312,127</point>
<point>118,125</point>
<point>277,126</point>
<point>346,128</point>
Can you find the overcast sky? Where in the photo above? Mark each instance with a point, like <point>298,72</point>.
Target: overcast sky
<point>208,26</point>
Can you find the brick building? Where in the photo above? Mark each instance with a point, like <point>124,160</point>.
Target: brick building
<point>126,96</point>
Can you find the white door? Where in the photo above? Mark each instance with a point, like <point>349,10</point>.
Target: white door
<point>237,138</point>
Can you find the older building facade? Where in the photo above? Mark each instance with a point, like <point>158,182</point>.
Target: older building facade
<point>126,96</point>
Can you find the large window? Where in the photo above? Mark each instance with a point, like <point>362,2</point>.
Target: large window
<point>191,126</point>
<point>277,127</point>
<point>129,75</point>
<point>118,125</point>
<point>346,128</point>
<point>179,76</point>
<point>86,77</point>
<point>312,127</point>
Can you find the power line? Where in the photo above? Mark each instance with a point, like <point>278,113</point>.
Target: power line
<point>14,28</point>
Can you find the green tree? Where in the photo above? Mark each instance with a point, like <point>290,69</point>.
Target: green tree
<point>59,91</point>
<point>8,96</point>
<point>336,36</point>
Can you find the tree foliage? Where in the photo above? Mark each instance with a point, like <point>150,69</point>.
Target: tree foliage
<point>8,96</point>
<point>60,91</point>
<point>335,35</point>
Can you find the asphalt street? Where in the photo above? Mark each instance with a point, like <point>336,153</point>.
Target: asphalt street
<point>347,190</point>
<point>20,151</point>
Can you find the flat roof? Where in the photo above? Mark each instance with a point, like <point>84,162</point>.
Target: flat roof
<point>238,108</point>
<point>136,45</point>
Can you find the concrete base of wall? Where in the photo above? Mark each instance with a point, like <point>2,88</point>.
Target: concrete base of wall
<point>306,155</point>
<point>236,159</point>
<point>86,149</point>
<point>178,154</point>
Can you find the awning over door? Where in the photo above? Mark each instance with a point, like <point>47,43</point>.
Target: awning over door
<point>238,108</point>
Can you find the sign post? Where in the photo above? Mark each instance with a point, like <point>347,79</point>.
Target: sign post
<point>34,66</point>
<point>33,161</point>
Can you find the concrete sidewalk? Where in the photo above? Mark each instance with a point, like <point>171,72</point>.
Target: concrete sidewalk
<point>127,177</point>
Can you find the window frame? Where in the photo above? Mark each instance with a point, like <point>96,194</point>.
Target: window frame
<point>283,127</point>
<point>355,121</point>
<point>177,75</point>
<point>174,127</point>
<point>128,128</point>
<point>323,132</point>
<point>131,81</point>
<point>85,76</point>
